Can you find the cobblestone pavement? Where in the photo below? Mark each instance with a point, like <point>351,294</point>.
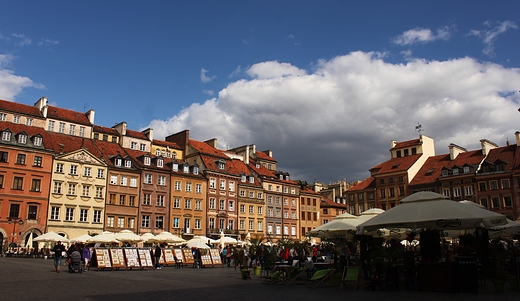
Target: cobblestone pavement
<point>35,279</point>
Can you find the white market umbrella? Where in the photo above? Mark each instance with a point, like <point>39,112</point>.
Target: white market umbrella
<point>82,238</point>
<point>510,229</point>
<point>29,241</point>
<point>340,225</point>
<point>197,244</point>
<point>228,240</point>
<point>167,237</point>
<point>433,211</point>
<point>204,239</point>
<point>51,237</point>
<point>105,237</point>
<point>128,236</point>
<point>148,237</point>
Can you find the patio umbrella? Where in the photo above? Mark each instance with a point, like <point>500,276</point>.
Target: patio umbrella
<point>430,210</point>
<point>148,237</point>
<point>29,243</point>
<point>339,226</point>
<point>128,236</point>
<point>204,239</point>
<point>82,238</point>
<point>105,237</point>
<point>51,237</point>
<point>167,237</point>
<point>197,244</point>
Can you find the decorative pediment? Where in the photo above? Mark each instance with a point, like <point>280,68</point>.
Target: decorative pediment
<point>81,156</point>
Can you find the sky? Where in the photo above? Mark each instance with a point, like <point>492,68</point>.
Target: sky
<point>326,85</point>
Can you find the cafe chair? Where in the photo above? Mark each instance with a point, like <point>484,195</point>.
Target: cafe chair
<point>350,278</point>
<point>320,276</point>
<point>295,275</point>
<point>275,277</point>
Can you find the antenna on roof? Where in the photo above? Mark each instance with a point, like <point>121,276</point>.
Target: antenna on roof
<point>418,128</point>
<point>85,106</point>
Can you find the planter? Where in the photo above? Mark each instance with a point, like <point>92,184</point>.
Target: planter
<point>245,273</point>
<point>258,271</point>
<point>499,285</point>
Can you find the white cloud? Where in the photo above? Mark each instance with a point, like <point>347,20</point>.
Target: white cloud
<point>11,84</point>
<point>21,39</point>
<point>204,78</point>
<point>209,92</point>
<point>47,42</point>
<point>238,70</point>
<point>422,35</point>
<point>490,36</point>
<point>337,121</point>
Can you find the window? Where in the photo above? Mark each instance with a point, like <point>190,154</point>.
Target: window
<point>241,224</point>
<point>61,128</point>
<point>197,224</point>
<point>22,139</point>
<point>122,199</point>
<point>50,126</point>
<point>493,185</point>
<point>231,224</point>
<point>260,210</point>
<point>73,169</point>
<point>145,221</point>
<point>87,172</point>
<point>3,116</point>
<point>57,188</point>
<point>35,185</point>
<point>55,213</point>
<point>133,182</point>
<point>222,205</point>
<point>72,189</point>
<point>242,208</point>
<point>37,141</point>
<point>259,226</point>
<point>446,192</point>
<point>231,186</point>
<point>147,199</point>
<point>176,203</point>
<point>37,161</point>
<point>148,178</point>
<point>131,201</point>
<point>157,152</point>
<point>187,204</point>
<point>72,129</point>
<point>147,160</point>
<point>212,203</point>
<point>105,137</point>
<point>83,215</point>
<point>4,156</point>
<point>468,190</point>
<point>505,184</point>
<point>20,159</point>
<point>212,183</point>
<point>159,222</point>
<point>242,193</point>
<point>69,214</point>
<point>160,162</point>
<point>198,188</point>
<point>251,209</point>
<point>160,200</point>
<point>142,147</point>
<point>101,173</point>
<point>131,223</point>
<point>177,185</point>
<point>112,198</point>
<point>188,187</point>
<point>456,192</point>
<point>113,180</point>
<point>222,185</point>
<point>507,201</point>
<point>221,165</point>
<point>176,222</point>
<point>133,145</point>
<point>96,136</point>
<point>6,136</point>
<point>18,183</point>
<point>495,202</point>
<point>161,180</point>
<point>212,223</point>
<point>32,212</point>
<point>14,211</point>
<point>99,192</point>
<point>119,162</point>
<point>97,217</point>
<point>82,131</point>
<point>124,181</point>
<point>110,221</point>
<point>401,191</point>
<point>482,186</point>
<point>120,222</point>
<point>128,164</point>
<point>382,193</point>
<point>198,205</point>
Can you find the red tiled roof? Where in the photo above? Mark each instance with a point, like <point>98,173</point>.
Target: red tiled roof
<point>205,148</point>
<point>504,154</point>
<point>407,143</point>
<point>396,164</point>
<point>14,107</point>
<point>366,183</point>
<point>105,130</point>
<point>166,143</point>
<point>66,144</point>
<point>261,170</point>
<point>308,191</point>
<point>110,149</point>
<point>136,134</point>
<point>67,115</point>
<point>327,203</point>
<point>31,131</point>
<point>264,156</point>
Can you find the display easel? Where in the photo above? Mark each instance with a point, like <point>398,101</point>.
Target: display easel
<point>102,259</point>
<point>132,258</point>
<point>206,260</point>
<point>118,259</point>
<point>215,257</point>
<point>145,258</point>
<point>188,256</point>
<point>169,259</point>
<point>179,258</point>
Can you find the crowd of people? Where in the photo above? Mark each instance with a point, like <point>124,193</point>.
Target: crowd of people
<point>77,253</point>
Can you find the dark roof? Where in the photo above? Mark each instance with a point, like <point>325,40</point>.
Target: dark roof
<point>67,115</point>
<point>14,107</point>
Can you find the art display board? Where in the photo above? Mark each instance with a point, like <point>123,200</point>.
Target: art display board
<point>145,258</point>
<point>215,257</point>
<point>132,258</point>
<point>206,260</point>
<point>188,256</point>
<point>178,255</point>
<point>118,259</point>
<point>102,258</point>
<point>168,256</point>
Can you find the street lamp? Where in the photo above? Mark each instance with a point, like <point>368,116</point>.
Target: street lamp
<point>14,222</point>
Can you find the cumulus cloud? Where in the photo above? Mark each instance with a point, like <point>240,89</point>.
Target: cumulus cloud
<point>422,35</point>
<point>204,78</point>
<point>11,84</point>
<point>490,36</point>
<point>47,42</point>
<point>336,121</point>
<point>209,92</point>
<point>21,39</point>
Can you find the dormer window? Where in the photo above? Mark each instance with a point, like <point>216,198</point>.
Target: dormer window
<point>281,177</point>
<point>22,138</point>
<point>221,164</point>
<point>444,172</point>
<point>160,162</point>
<point>257,165</point>
<point>186,168</point>
<point>6,136</point>
<point>466,169</point>
<point>195,170</point>
<point>157,152</point>
<point>251,179</point>
<point>174,154</point>
<point>38,141</point>
<point>128,163</point>
<point>455,171</point>
<point>175,166</point>
<point>119,162</point>
<point>147,160</point>
<point>243,178</point>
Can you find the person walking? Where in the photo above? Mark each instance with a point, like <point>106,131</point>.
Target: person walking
<point>86,257</point>
<point>157,254</point>
<point>58,250</point>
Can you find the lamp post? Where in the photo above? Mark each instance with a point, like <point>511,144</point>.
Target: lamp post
<point>14,221</point>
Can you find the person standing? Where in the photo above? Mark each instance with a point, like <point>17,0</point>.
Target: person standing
<point>86,257</point>
<point>58,250</point>
<point>157,254</point>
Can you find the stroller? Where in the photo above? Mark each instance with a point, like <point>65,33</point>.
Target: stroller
<point>75,262</point>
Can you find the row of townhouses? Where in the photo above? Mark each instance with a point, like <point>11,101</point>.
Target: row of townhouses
<point>61,172</point>
<point>489,176</point>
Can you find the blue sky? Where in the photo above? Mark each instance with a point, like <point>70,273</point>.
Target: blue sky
<point>324,84</point>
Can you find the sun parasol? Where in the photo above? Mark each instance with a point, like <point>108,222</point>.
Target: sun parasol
<point>105,237</point>
<point>82,238</point>
<point>128,236</point>
<point>197,244</point>
<point>166,237</point>
<point>340,225</point>
<point>51,237</point>
<point>430,210</point>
